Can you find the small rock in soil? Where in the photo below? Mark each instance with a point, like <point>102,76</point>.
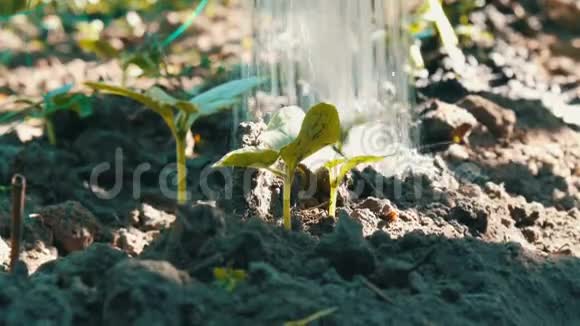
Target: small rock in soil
<point>4,253</point>
<point>367,219</point>
<point>347,250</point>
<point>457,152</point>
<point>132,240</point>
<point>525,214</point>
<point>42,304</point>
<point>564,13</point>
<point>193,227</point>
<point>500,121</point>
<point>441,119</point>
<point>150,218</point>
<point>143,293</point>
<point>73,226</point>
<point>37,256</point>
<point>88,266</point>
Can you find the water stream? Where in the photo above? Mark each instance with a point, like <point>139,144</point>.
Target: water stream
<point>350,53</point>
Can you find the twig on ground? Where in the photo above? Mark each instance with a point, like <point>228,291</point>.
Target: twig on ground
<point>18,199</point>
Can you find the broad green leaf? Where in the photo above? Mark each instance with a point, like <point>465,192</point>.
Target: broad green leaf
<point>320,128</point>
<point>126,92</point>
<point>206,102</point>
<point>336,177</point>
<point>218,106</point>
<point>283,128</point>
<point>165,111</point>
<point>164,99</point>
<point>154,100</point>
<point>351,163</point>
<point>334,163</point>
<point>249,157</point>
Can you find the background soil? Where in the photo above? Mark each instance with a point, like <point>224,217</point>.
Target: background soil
<point>487,233</point>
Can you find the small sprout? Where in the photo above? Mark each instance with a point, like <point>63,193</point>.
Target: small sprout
<point>60,99</point>
<point>314,317</point>
<point>437,15</point>
<point>338,169</point>
<point>179,115</point>
<point>229,278</point>
<point>319,128</point>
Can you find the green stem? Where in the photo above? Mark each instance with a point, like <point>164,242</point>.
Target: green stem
<point>332,201</point>
<point>50,132</point>
<point>181,171</point>
<point>334,184</point>
<point>288,179</point>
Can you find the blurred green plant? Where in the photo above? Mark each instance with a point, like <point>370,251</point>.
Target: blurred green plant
<point>60,99</point>
<point>179,115</point>
<point>12,7</point>
<point>229,278</point>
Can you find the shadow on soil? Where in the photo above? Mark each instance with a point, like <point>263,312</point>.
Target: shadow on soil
<point>415,280</point>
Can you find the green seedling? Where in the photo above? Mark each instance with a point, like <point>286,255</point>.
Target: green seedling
<point>337,171</point>
<point>60,99</point>
<point>229,278</point>
<point>319,128</point>
<point>312,318</point>
<point>179,115</point>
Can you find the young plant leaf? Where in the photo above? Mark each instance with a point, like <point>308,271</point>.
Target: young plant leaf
<point>283,128</point>
<point>164,99</point>
<point>344,165</point>
<point>320,128</point>
<point>348,164</point>
<point>155,99</point>
<point>249,158</point>
<point>213,100</point>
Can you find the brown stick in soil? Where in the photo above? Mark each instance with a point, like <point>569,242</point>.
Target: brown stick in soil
<point>18,198</point>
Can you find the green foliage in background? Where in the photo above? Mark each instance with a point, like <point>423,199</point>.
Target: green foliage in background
<point>60,99</point>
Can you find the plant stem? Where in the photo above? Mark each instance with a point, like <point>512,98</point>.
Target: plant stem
<point>332,201</point>
<point>18,198</point>
<point>181,170</point>
<point>334,184</point>
<point>288,179</point>
<point>50,132</point>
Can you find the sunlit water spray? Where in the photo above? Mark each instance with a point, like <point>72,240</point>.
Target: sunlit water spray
<point>350,53</point>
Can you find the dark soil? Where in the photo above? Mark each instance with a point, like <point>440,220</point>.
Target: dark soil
<point>488,234</point>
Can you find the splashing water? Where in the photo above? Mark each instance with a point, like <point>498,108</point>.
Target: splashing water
<point>345,52</point>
